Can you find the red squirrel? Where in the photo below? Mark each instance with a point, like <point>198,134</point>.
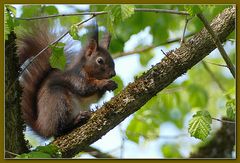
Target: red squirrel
<point>53,102</point>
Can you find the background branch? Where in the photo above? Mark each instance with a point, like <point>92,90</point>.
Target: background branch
<point>184,30</point>
<point>218,43</point>
<point>224,121</point>
<point>105,12</point>
<point>215,78</point>
<point>145,87</point>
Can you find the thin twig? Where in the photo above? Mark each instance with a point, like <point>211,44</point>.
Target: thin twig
<point>224,121</point>
<point>218,44</point>
<point>184,30</point>
<point>161,11</point>
<point>105,12</point>
<point>215,78</point>
<point>121,54</point>
<point>63,15</point>
<point>166,55</point>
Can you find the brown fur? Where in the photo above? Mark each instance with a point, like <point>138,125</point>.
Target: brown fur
<point>53,102</point>
<point>29,44</point>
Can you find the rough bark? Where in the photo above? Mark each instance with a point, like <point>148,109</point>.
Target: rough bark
<point>136,94</point>
<point>14,138</point>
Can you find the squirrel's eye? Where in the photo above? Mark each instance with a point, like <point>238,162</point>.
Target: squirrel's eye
<point>100,60</point>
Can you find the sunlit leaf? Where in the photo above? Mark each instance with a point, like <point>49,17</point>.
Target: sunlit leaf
<point>199,125</point>
<point>58,59</point>
<point>117,14</point>
<point>74,32</point>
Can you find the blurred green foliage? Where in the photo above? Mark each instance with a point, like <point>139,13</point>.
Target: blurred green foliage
<point>49,151</point>
<point>197,92</point>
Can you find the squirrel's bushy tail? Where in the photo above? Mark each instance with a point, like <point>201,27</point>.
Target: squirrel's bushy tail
<point>29,43</point>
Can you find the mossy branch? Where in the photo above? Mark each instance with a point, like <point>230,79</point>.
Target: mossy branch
<point>136,94</point>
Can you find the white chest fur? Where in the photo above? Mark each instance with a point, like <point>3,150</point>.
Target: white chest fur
<point>83,103</point>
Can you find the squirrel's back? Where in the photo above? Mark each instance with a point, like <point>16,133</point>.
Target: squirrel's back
<point>29,43</point>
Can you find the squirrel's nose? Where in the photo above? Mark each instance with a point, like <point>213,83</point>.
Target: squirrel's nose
<point>112,73</point>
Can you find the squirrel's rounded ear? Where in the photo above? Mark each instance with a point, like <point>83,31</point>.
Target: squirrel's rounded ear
<point>105,42</point>
<point>92,47</point>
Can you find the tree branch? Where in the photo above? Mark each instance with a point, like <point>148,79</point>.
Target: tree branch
<point>184,30</point>
<point>224,121</point>
<point>215,78</point>
<point>105,12</point>
<point>218,44</point>
<point>145,87</point>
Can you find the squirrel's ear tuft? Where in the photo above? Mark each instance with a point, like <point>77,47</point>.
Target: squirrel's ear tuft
<point>95,32</point>
<point>105,42</point>
<point>93,43</point>
<point>92,47</point>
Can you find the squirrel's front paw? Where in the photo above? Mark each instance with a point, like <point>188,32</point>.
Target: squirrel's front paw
<point>82,117</point>
<point>109,85</point>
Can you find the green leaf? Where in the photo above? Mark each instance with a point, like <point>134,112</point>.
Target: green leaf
<point>231,109</point>
<point>119,81</point>
<point>171,151</point>
<point>34,154</point>
<point>58,59</point>
<point>49,151</point>
<point>193,10</point>
<point>117,14</point>
<point>199,125</point>
<point>127,11</point>
<point>74,32</point>
<point>120,12</point>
